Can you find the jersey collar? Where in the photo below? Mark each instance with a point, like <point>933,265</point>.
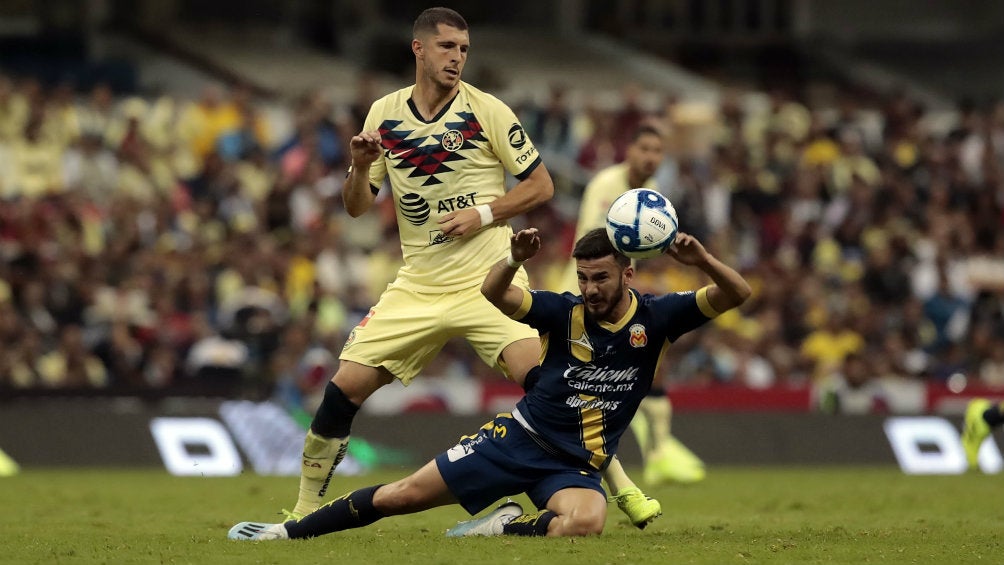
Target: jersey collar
<point>436,118</point>
<point>616,326</point>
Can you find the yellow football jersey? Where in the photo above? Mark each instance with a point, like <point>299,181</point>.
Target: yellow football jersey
<point>456,160</point>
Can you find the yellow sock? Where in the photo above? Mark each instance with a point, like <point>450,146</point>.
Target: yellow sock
<point>657,411</point>
<point>616,478</point>
<point>642,433</point>
<point>320,457</point>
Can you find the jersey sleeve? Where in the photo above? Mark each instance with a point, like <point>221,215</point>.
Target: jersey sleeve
<point>509,140</point>
<point>378,170</point>
<point>542,310</point>
<point>683,311</point>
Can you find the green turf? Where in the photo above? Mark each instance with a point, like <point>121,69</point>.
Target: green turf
<point>832,515</point>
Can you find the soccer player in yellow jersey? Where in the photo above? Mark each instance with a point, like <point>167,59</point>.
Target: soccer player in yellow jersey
<point>664,457</point>
<point>444,146</point>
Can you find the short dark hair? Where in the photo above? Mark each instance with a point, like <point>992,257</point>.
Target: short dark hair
<point>429,20</point>
<point>596,245</point>
<point>645,129</point>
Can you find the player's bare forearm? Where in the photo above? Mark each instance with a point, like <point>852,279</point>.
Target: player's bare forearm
<point>497,286</point>
<point>525,196</point>
<point>730,289</point>
<point>356,194</point>
<point>529,193</point>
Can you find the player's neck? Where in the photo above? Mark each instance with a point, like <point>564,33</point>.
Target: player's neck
<point>620,310</point>
<point>636,180</point>
<point>429,99</point>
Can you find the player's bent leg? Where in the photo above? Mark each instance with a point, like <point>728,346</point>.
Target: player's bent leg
<point>519,357</point>
<point>640,509</point>
<point>351,510</point>
<point>421,490</point>
<point>328,437</point>
<point>578,512</point>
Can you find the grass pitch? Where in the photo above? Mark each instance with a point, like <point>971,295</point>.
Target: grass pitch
<point>735,516</point>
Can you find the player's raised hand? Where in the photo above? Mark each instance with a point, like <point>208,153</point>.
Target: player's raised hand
<point>687,250</point>
<point>365,147</point>
<point>525,244</point>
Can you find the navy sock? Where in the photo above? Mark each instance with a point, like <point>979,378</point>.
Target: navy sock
<point>529,524</point>
<point>352,510</point>
<point>334,415</point>
<point>993,415</point>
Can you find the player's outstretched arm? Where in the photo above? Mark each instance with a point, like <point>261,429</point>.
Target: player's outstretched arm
<point>730,288</point>
<point>498,287</point>
<point>529,193</point>
<point>356,193</point>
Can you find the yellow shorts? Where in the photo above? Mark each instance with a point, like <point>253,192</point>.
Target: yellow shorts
<point>406,329</point>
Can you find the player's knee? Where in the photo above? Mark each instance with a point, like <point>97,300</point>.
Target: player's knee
<point>335,414</point>
<point>400,497</point>
<point>519,357</point>
<point>583,522</point>
<point>357,382</point>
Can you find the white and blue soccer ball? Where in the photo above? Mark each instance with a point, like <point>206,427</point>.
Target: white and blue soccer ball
<point>642,223</point>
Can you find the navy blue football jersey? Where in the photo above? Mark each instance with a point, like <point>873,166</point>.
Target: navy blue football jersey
<point>593,375</point>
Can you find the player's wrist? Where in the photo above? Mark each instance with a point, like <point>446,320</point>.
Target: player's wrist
<point>485,212</point>
<point>512,262</point>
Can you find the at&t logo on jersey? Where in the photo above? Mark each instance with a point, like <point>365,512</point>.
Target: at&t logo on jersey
<point>414,208</point>
<point>417,210</point>
<point>638,336</point>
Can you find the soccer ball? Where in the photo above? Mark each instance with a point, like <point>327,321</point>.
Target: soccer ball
<point>641,223</point>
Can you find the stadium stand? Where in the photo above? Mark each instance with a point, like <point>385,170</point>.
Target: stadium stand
<point>149,237</point>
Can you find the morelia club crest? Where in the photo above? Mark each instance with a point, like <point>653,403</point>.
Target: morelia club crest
<point>638,336</point>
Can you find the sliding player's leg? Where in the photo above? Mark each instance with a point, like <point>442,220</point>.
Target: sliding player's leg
<point>422,490</point>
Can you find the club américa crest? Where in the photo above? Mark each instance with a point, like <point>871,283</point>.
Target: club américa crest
<point>453,140</point>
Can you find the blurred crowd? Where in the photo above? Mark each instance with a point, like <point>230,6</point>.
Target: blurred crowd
<point>156,242</point>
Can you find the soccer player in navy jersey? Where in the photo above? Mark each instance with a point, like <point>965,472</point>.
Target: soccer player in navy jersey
<point>601,349</point>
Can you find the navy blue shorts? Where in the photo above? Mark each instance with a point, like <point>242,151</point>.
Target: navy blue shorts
<point>503,460</point>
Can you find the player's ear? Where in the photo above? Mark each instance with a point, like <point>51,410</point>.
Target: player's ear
<point>416,47</point>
